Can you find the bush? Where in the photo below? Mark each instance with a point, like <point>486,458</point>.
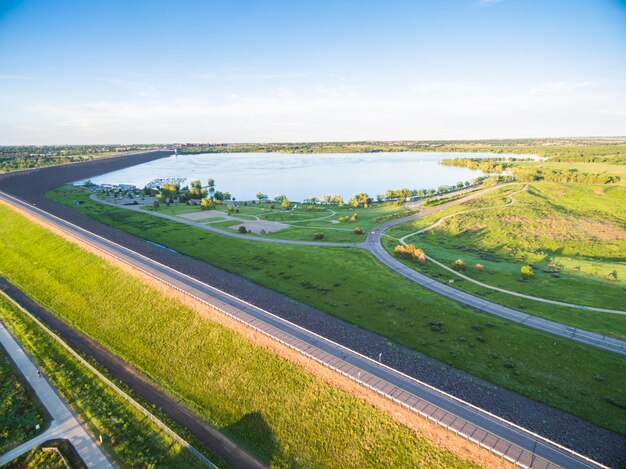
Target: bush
<point>410,252</point>
<point>358,230</point>
<point>459,264</point>
<point>318,236</point>
<point>527,272</point>
<point>242,229</point>
<point>354,217</point>
<point>207,204</point>
<point>479,267</point>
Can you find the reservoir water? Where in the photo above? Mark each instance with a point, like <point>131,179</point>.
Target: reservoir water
<point>300,176</point>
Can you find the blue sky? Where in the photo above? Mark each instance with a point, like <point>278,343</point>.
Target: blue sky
<point>244,71</point>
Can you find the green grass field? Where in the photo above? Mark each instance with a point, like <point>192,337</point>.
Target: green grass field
<point>128,437</point>
<point>20,410</point>
<point>38,458</point>
<point>278,411</point>
<point>580,229</point>
<point>336,223</point>
<point>352,285</point>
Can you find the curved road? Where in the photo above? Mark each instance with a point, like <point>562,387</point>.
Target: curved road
<point>374,245</point>
<point>498,435</point>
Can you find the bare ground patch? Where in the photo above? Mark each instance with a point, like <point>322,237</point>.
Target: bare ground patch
<point>206,214</point>
<point>256,226</point>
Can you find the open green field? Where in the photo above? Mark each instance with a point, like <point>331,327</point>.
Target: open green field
<point>276,410</point>
<point>128,437</point>
<point>20,410</point>
<point>351,284</point>
<point>575,232</point>
<point>336,223</point>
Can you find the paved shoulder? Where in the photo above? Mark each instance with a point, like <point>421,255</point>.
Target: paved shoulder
<point>64,423</point>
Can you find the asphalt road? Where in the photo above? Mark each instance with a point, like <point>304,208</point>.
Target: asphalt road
<point>64,423</point>
<point>131,377</point>
<point>500,436</point>
<point>375,247</point>
<point>373,244</point>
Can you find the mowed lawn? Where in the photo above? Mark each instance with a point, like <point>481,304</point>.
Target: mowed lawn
<point>351,284</point>
<point>20,410</point>
<point>577,233</point>
<point>281,413</point>
<point>337,224</point>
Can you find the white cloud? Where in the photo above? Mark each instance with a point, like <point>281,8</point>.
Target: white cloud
<point>444,110</point>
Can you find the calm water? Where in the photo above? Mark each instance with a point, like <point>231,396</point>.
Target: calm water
<point>303,175</point>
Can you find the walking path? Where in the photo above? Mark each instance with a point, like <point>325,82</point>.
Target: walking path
<point>373,245</point>
<point>64,424</point>
<point>403,240</point>
<point>204,226</point>
<point>502,437</point>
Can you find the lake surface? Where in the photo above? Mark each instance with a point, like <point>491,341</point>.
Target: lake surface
<point>300,176</point>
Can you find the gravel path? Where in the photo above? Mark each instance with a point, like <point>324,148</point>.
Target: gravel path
<point>564,428</point>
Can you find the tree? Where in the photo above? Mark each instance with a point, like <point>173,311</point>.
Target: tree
<point>207,204</point>
<point>358,230</point>
<point>211,183</point>
<point>459,264</point>
<point>479,267</point>
<point>261,196</point>
<point>160,198</point>
<point>227,196</point>
<point>285,203</point>
<point>242,229</point>
<point>527,272</point>
<point>196,184</point>
<point>363,199</point>
<point>459,185</point>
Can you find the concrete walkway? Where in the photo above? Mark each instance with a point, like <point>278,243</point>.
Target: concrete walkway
<point>64,424</point>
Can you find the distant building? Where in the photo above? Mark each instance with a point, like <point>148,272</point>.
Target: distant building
<point>127,187</point>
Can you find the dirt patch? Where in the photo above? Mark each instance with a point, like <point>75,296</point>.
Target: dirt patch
<point>202,215</point>
<point>421,426</point>
<point>256,226</point>
<point>601,230</point>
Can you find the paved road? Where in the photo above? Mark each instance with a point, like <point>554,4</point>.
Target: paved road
<point>500,436</point>
<point>491,287</point>
<point>64,424</point>
<point>220,231</point>
<point>120,370</point>
<point>374,245</point>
